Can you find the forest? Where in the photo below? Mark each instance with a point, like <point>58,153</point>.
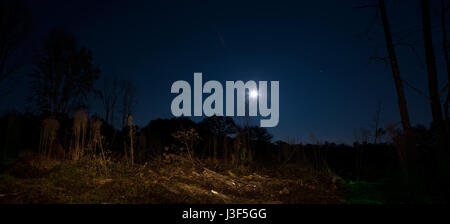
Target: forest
<point>59,150</point>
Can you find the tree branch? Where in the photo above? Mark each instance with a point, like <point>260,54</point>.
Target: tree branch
<point>416,89</point>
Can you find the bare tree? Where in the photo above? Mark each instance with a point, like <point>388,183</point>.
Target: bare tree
<point>131,136</point>
<point>378,131</point>
<point>395,71</point>
<point>447,60</point>
<point>398,86</point>
<point>436,110</point>
<point>109,95</point>
<point>128,100</point>
<point>79,133</point>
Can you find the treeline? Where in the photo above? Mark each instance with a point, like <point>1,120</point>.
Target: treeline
<point>64,77</point>
<point>218,141</point>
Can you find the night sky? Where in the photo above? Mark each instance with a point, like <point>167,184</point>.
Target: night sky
<point>318,50</point>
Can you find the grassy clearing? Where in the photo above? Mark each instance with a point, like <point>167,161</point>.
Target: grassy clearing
<point>34,179</point>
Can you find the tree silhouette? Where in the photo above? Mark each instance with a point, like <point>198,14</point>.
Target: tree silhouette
<point>445,47</point>
<point>217,129</point>
<point>406,123</point>
<point>219,125</point>
<point>63,75</point>
<point>259,134</point>
<point>395,70</point>
<point>128,90</point>
<point>436,111</point>
<point>109,95</point>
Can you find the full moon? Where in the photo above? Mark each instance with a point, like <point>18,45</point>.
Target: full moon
<point>253,94</point>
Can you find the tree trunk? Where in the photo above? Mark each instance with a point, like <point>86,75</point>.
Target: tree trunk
<point>107,114</point>
<point>436,110</point>
<point>447,61</point>
<point>396,73</point>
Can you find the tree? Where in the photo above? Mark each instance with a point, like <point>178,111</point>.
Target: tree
<point>259,134</point>
<point>447,60</point>
<point>128,90</point>
<point>435,103</point>
<point>405,144</point>
<point>395,70</point>
<point>219,125</point>
<point>14,23</point>
<point>131,134</point>
<point>63,75</point>
<point>188,140</point>
<point>109,95</point>
<point>378,131</point>
<point>217,129</point>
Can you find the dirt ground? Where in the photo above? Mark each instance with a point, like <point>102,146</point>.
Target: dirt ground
<point>39,180</point>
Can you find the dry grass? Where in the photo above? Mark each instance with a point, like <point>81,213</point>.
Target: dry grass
<point>42,180</point>
<point>49,133</point>
<point>80,122</point>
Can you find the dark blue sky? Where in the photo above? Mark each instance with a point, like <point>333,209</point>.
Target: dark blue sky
<point>318,50</point>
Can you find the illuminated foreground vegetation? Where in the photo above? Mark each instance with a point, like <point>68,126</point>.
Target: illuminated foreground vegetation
<point>35,179</point>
